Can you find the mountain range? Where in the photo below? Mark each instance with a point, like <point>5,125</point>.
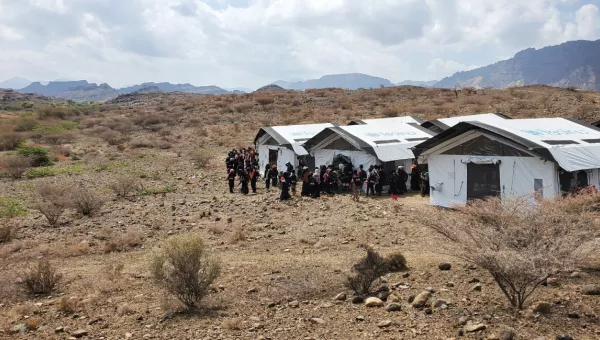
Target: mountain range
<point>350,81</point>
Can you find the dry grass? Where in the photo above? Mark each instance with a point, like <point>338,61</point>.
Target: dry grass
<point>6,233</point>
<point>85,201</point>
<point>15,166</point>
<point>41,278</point>
<point>52,200</point>
<point>67,305</point>
<point>124,185</point>
<point>238,235</point>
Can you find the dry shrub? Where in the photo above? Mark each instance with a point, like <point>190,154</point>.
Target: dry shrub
<point>52,200</point>
<point>123,242</point>
<point>10,141</point>
<point>32,324</point>
<point>518,242</point>
<point>142,143</point>
<point>114,137</point>
<point>85,201</point>
<point>6,233</point>
<point>185,268</point>
<point>232,324</point>
<point>113,271</point>
<point>237,236</point>
<point>68,305</point>
<point>201,158</point>
<point>15,166</point>
<point>390,112</point>
<point>264,100</point>
<point>243,107</point>
<point>41,279</point>
<point>124,185</point>
<point>366,271</point>
<point>396,261</point>
<point>58,138</point>
<point>383,93</point>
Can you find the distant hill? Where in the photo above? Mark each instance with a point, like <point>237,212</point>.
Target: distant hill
<point>427,83</point>
<point>54,88</point>
<point>89,93</point>
<point>351,81</point>
<point>14,83</point>
<point>168,87</point>
<point>148,89</point>
<point>572,64</point>
<point>270,88</point>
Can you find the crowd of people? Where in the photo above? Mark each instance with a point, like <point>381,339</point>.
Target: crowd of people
<point>329,180</point>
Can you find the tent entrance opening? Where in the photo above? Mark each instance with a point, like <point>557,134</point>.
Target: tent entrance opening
<point>483,180</point>
<point>273,157</point>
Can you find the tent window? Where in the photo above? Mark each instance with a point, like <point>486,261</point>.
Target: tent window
<point>301,140</point>
<point>483,146</point>
<point>271,141</point>
<point>592,141</point>
<point>560,142</point>
<point>388,141</point>
<point>340,144</point>
<point>416,139</point>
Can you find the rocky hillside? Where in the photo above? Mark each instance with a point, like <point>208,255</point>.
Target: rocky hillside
<point>351,81</point>
<point>14,83</point>
<point>168,87</point>
<point>90,93</point>
<point>54,88</point>
<point>270,88</point>
<point>572,64</point>
<point>421,83</point>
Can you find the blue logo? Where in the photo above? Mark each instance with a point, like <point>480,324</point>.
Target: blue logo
<point>559,132</point>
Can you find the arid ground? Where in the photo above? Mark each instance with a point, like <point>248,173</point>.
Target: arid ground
<point>283,263</point>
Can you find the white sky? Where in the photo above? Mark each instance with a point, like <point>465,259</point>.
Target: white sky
<point>250,43</point>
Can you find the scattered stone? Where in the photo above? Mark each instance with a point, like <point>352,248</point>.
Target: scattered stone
<point>79,333</point>
<point>552,281</point>
<point>507,333</point>
<point>393,298</point>
<point>252,290</point>
<point>229,219</point>
<point>428,311</point>
<point>462,320</point>
<point>474,327</point>
<point>59,329</point>
<point>450,284</point>
<point>294,304</point>
<point>542,308</point>
<point>384,323</point>
<point>393,307</point>
<point>360,318</point>
<point>430,289</point>
<point>476,287</point>
<point>564,337</point>
<point>445,266</point>
<point>358,299</point>
<point>590,290</point>
<point>411,298</point>
<point>18,328</point>
<point>373,302</point>
<point>573,316</point>
<point>383,295</point>
<point>340,297</point>
<point>474,280</point>
<point>405,275</point>
<point>441,304</point>
<point>421,299</point>
<point>128,335</point>
<point>577,275</point>
<point>317,321</point>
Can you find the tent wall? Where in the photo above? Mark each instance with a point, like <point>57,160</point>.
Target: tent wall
<point>325,157</point>
<point>284,155</point>
<point>448,174</point>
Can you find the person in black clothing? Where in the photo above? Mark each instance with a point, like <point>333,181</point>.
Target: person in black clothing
<point>402,178</point>
<point>356,184</point>
<point>415,178</point>
<point>254,175</point>
<point>371,181</point>
<point>231,180</point>
<point>313,186</point>
<point>273,174</point>
<point>424,183</point>
<point>305,186</point>
<point>289,167</point>
<point>293,180</point>
<point>244,180</point>
<point>380,180</point>
<point>285,190</point>
<point>393,178</point>
<point>363,176</point>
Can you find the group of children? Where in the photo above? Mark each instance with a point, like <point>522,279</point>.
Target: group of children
<point>326,179</point>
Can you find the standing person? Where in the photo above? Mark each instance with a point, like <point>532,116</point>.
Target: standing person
<point>285,190</point>
<point>293,182</point>
<point>317,183</point>
<point>313,186</point>
<point>424,183</point>
<point>305,185</point>
<point>254,175</point>
<point>380,180</point>
<point>289,167</point>
<point>267,177</point>
<point>363,176</point>
<point>244,181</point>
<point>356,184</point>
<point>371,181</point>
<point>231,180</point>
<point>402,178</point>
<point>393,183</point>
<point>415,178</point>
<point>274,173</point>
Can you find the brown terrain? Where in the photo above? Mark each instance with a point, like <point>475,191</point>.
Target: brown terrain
<point>283,264</point>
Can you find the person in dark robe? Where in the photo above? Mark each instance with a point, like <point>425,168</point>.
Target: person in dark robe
<point>289,167</point>
<point>363,176</point>
<point>402,178</point>
<point>393,179</point>
<point>293,182</point>
<point>305,186</point>
<point>356,184</point>
<point>231,180</point>
<point>313,186</point>
<point>424,183</point>
<point>285,190</point>
<point>254,175</point>
<point>274,174</point>
<point>415,178</point>
<point>381,180</point>
<point>371,181</point>
<point>244,178</point>
<point>267,177</point>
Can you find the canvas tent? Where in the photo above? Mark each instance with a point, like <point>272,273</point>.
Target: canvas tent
<point>387,145</point>
<point>387,121</point>
<point>597,124</point>
<point>513,157</point>
<point>439,125</point>
<point>282,144</point>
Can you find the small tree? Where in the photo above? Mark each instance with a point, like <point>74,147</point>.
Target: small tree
<point>52,200</point>
<point>518,242</point>
<point>185,269</point>
<point>201,158</point>
<point>123,186</point>
<point>15,166</point>
<point>85,201</point>
<point>41,279</point>
<point>366,271</point>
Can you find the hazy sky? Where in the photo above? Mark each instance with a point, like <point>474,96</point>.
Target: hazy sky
<point>249,43</point>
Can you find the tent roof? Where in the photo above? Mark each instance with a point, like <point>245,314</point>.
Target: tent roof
<point>445,123</point>
<point>596,124</point>
<point>573,145</point>
<point>387,142</point>
<point>386,121</point>
<point>292,136</point>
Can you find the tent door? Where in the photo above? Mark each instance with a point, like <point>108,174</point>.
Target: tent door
<point>483,180</point>
<point>273,156</point>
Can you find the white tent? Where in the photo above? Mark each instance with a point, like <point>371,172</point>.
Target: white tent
<point>439,125</point>
<point>368,145</point>
<point>513,157</point>
<point>387,121</point>
<point>282,144</point>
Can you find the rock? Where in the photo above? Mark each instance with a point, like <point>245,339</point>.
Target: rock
<point>542,308</point>
<point>430,289</point>
<point>59,329</point>
<point>474,280</point>
<point>393,307</point>
<point>384,323</point>
<point>79,333</point>
<point>552,281</point>
<point>411,298</point>
<point>373,302</point>
<point>317,321</point>
<point>564,337</point>
<point>476,287</point>
<point>441,304</point>
<point>360,318</point>
<point>340,297</point>
<point>358,299</point>
<point>229,219</point>
<point>573,315</point>
<point>393,298</point>
<point>405,275</point>
<point>18,328</point>
<point>507,333</point>
<point>462,320</point>
<point>252,290</point>
<point>590,290</point>
<point>294,304</point>
<point>428,311</point>
<point>445,266</point>
<point>383,295</point>
<point>421,299</point>
<point>577,275</point>
<point>450,284</point>
<point>474,327</point>
<point>128,335</point>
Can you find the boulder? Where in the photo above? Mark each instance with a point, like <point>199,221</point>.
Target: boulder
<point>542,308</point>
<point>445,266</point>
<point>340,297</point>
<point>590,290</point>
<point>421,299</point>
<point>474,327</point>
<point>373,302</point>
<point>393,307</point>
<point>79,333</point>
<point>358,299</point>
<point>384,323</point>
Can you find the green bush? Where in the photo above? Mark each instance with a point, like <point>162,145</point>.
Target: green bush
<point>156,191</point>
<point>27,105</point>
<point>44,171</point>
<point>38,155</point>
<point>10,207</point>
